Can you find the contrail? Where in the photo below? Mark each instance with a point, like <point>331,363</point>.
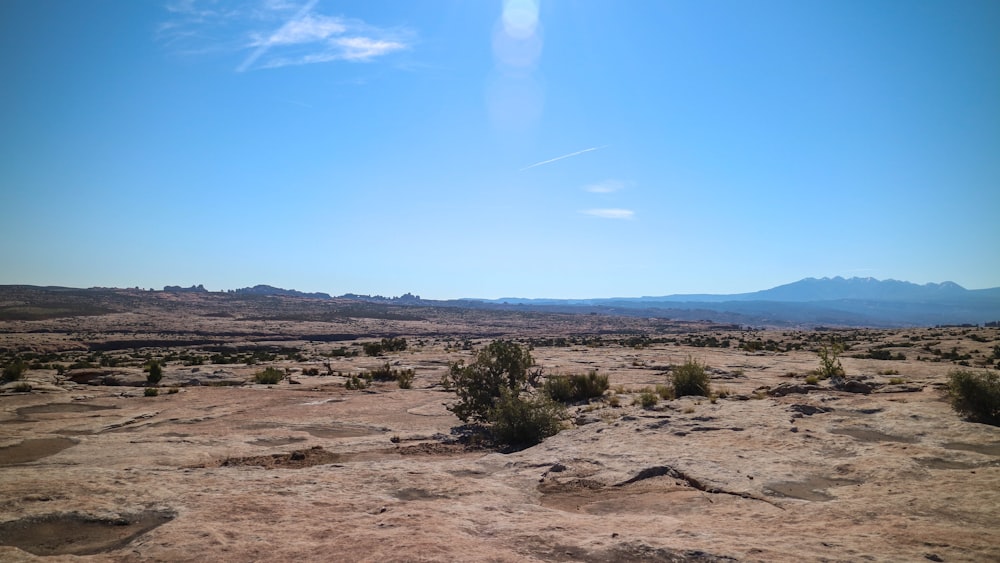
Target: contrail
<point>266,46</point>
<point>562,157</point>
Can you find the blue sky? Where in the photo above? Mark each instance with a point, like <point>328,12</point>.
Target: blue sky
<point>484,149</point>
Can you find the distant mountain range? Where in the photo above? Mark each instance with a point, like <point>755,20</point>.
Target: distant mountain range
<point>833,302</point>
<point>826,301</point>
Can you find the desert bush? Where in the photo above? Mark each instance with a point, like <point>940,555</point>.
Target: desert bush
<point>975,395</point>
<point>155,373</point>
<point>647,400</point>
<point>576,387</point>
<point>355,383</point>
<point>14,370</point>
<point>405,378</point>
<point>22,387</point>
<point>829,362</point>
<point>665,392</point>
<point>500,366</point>
<point>269,376</point>
<point>690,379</point>
<point>310,371</point>
<point>812,379</point>
<point>518,420</point>
<point>896,381</point>
<point>383,373</point>
<point>385,345</point>
<point>173,390</point>
<point>151,392</point>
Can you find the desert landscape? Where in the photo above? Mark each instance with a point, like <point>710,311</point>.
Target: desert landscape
<point>775,464</point>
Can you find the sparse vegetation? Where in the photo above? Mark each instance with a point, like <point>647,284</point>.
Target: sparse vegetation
<point>405,379</point>
<point>647,400</point>
<point>690,378</point>
<point>22,387</point>
<point>975,395</point>
<point>829,361</point>
<point>355,383</point>
<point>385,345</point>
<point>812,379</point>
<point>151,392</point>
<point>385,372</point>
<point>269,376</point>
<point>14,370</point>
<point>155,374</point>
<point>576,387</point>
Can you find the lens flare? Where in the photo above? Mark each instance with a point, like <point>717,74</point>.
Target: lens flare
<point>520,18</point>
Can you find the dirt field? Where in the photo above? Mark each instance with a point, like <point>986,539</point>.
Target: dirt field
<point>216,467</point>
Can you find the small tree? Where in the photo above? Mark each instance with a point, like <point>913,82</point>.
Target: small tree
<point>155,374</point>
<point>496,389</point>
<point>502,365</point>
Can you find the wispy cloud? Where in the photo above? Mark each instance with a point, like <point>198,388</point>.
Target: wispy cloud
<point>551,160</point>
<point>276,33</point>
<point>610,213</point>
<point>605,187</point>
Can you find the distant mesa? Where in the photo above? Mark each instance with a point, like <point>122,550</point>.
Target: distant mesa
<point>271,290</point>
<point>178,289</point>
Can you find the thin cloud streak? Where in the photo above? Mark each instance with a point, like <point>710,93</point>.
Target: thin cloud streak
<point>551,160</point>
<point>265,46</point>
<point>275,33</point>
<point>610,213</point>
<point>605,187</point>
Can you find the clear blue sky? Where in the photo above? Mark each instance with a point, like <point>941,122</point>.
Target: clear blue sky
<point>485,149</point>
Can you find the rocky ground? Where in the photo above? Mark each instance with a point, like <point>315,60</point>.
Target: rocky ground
<point>770,469</point>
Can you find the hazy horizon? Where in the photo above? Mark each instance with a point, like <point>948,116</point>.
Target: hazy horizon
<point>499,149</point>
<point>475,297</point>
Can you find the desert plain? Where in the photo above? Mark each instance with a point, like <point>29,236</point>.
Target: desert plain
<point>215,467</point>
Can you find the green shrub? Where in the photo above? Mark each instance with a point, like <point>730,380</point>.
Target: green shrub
<point>647,400</point>
<point>405,378</point>
<point>151,392</point>
<point>829,364</point>
<point>975,395</point>
<point>386,345</point>
<point>690,379</point>
<point>577,387</point>
<point>14,370</point>
<point>269,376</point>
<point>519,421</point>
<point>155,373</point>
<point>812,379</point>
<point>665,392</point>
<point>173,390</point>
<point>383,373</point>
<point>355,382</point>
